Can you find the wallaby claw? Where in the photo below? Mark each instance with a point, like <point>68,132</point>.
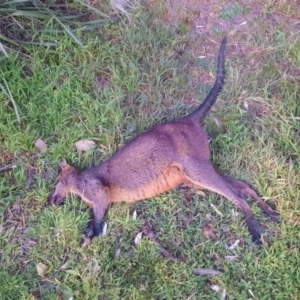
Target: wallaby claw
<point>89,233</point>
<point>274,216</point>
<point>256,239</point>
<point>94,231</point>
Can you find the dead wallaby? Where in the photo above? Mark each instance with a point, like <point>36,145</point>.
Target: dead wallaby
<point>155,162</point>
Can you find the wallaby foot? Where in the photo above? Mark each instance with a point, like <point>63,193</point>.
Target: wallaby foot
<point>254,229</point>
<point>244,188</point>
<point>94,230</point>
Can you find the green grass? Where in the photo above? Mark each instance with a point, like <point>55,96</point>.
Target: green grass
<point>232,11</point>
<point>130,78</point>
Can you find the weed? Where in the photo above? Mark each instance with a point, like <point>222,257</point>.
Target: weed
<point>233,11</point>
<point>128,78</point>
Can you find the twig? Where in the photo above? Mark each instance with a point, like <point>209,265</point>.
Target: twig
<point>207,272</point>
<point>163,251</point>
<point>63,263</point>
<point>29,181</point>
<point>7,167</point>
<point>84,125</point>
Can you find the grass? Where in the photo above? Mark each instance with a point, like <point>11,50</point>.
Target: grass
<point>22,20</point>
<point>230,12</point>
<point>126,79</point>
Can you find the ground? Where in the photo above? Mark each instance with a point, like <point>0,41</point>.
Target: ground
<point>131,75</point>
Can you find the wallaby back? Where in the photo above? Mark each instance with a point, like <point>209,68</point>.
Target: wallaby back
<point>157,161</point>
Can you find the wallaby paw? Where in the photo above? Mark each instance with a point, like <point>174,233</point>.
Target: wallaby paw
<point>89,232</point>
<point>274,215</point>
<point>255,231</point>
<point>94,231</point>
<point>256,239</point>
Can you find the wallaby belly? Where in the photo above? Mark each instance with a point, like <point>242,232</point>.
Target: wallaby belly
<point>169,178</point>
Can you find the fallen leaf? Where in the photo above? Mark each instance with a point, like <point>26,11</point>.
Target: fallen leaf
<point>208,217</point>
<point>134,215</point>
<point>7,167</point>
<point>200,193</point>
<point>41,269</point>
<point>234,245</point>
<point>251,293</point>
<point>84,145</point>
<point>138,238</point>
<point>131,127</point>
<point>231,257</point>
<point>207,272</point>
<point>41,145</point>
<point>118,252</point>
<point>234,213</point>
<point>208,231</point>
<point>215,288</point>
<point>104,229</point>
<point>217,122</point>
<point>216,210</point>
<point>223,297</point>
<point>63,267</point>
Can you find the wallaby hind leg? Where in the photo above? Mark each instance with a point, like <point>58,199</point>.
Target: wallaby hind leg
<point>245,189</point>
<point>202,174</point>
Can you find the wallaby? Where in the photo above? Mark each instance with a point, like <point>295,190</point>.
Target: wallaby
<point>155,162</point>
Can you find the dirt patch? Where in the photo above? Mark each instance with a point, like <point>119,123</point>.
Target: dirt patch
<point>240,21</point>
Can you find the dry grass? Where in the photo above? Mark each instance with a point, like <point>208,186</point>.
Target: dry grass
<point>128,78</point>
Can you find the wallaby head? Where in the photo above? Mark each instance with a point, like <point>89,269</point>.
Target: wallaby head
<point>63,183</point>
<point>155,162</point>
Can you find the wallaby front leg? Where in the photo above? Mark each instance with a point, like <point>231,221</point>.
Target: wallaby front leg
<point>99,203</point>
<point>95,226</point>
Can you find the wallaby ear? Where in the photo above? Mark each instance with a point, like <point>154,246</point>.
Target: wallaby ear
<point>63,164</point>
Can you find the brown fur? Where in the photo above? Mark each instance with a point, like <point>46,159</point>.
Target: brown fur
<point>155,162</point>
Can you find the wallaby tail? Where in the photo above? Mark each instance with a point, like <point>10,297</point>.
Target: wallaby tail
<point>211,98</point>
